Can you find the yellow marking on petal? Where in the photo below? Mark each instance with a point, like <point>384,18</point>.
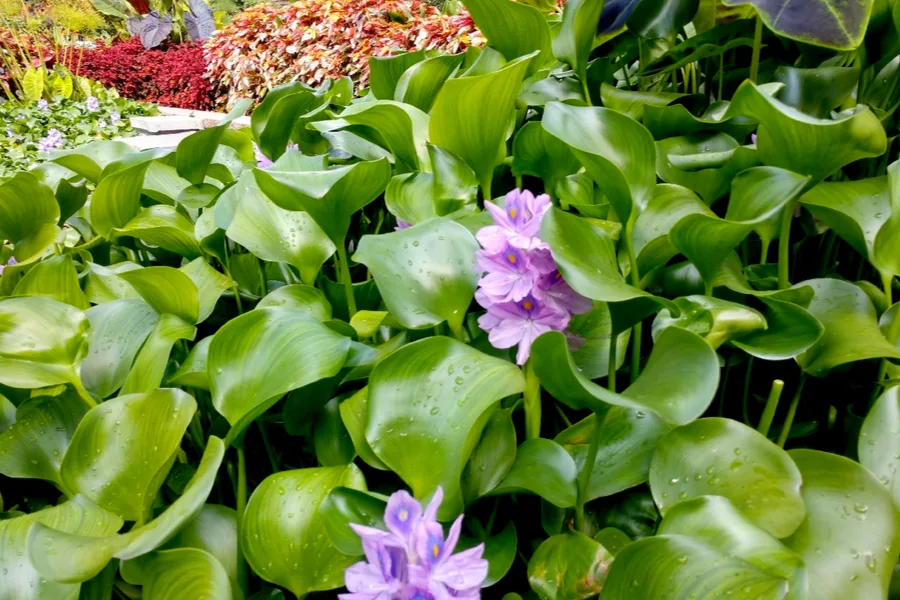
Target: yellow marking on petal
<point>435,550</point>
<point>528,305</point>
<point>403,514</point>
<point>511,258</point>
<point>513,213</point>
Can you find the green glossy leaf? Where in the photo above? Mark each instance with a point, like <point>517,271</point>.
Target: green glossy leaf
<point>402,128</point>
<point>20,579</point>
<point>410,197</point>
<point>849,540</point>
<point>625,447</point>
<point>303,297</point>
<point>437,392</point>
<point>196,152</point>
<point>28,215</point>
<point>816,91</point>
<point>149,367</point>
<point>385,72</point>
<point>544,468</point>
<point>425,274</point>
<point>595,328</point>
<point>677,384</point>
<point>260,115</point>
<point>104,284</point>
<point>797,142</point>
<point>721,457</point>
<point>420,84</point>
<point>492,458</point>
<point>71,194</point>
<point>90,159</point>
<point>675,119</point>
<point>345,505</point>
<point>162,183</point>
<point>790,331</point>
<point>214,530</point>
<point>575,39</point>
<point>717,321</point>
<point>354,414</point>
<point>117,198</point>
<point>757,202</point>
<point>33,446</point>
<point>276,134</point>
<point>821,23</point>
<point>626,174</point>
<point>165,227</point>
<point>857,211</point>
<point>660,18</point>
<point>569,566</point>
<point>179,574</point>
<point>62,556</point>
<point>703,162</point>
<point>878,445</point>
<point>850,324</point>
<point>634,103</point>
<point>474,130</point>
<point>278,235</point>
<point>282,532</point>
<point>330,197</point>
<point>513,28</point>
<point>192,372</point>
<point>331,441</point>
<point>55,279</point>
<point>259,356</point>
<point>670,203</point>
<point>455,184</point>
<point>122,449</point>
<point>42,342</point>
<point>209,282</point>
<point>167,290</point>
<point>536,152</point>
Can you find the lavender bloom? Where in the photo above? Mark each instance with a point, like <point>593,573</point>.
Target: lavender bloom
<point>401,224</point>
<point>114,118</point>
<point>101,124</point>
<point>262,161</point>
<point>43,105</point>
<point>92,104</point>
<point>12,261</point>
<point>413,560</point>
<point>523,292</point>
<point>53,140</point>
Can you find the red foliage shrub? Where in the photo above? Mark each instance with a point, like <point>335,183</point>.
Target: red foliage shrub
<point>311,40</point>
<point>172,75</point>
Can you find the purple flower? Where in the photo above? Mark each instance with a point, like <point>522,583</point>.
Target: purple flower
<point>12,261</point>
<point>401,224</point>
<point>413,560</point>
<point>43,105</point>
<point>521,288</point>
<point>92,104</point>
<point>53,140</point>
<point>114,118</point>
<point>753,138</point>
<point>511,323</point>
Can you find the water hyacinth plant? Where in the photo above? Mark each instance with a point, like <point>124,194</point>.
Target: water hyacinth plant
<point>620,287</point>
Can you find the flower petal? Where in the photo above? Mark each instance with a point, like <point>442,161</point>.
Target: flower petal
<point>463,571</point>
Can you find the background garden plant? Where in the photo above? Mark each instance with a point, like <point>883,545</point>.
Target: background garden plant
<point>213,374</point>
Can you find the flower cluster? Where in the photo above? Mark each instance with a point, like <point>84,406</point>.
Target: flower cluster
<point>522,290</point>
<point>92,104</point>
<point>43,105</point>
<point>413,560</point>
<point>53,140</point>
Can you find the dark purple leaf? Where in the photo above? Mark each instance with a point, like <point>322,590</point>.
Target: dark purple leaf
<point>200,23</point>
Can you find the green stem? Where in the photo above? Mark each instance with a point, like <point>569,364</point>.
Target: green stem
<point>784,247</point>
<point>83,393</point>
<point>757,46</point>
<point>792,411</point>
<point>532,397</point>
<point>611,369</point>
<point>886,281</point>
<point>344,264</point>
<point>746,395</point>
<point>721,74</point>
<point>587,92</point>
<point>518,182</point>
<point>764,250</point>
<point>636,282</point>
<point>636,334</point>
<point>893,330</point>
<point>584,477</point>
<point>241,508</point>
<point>234,286</point>
<point>765,422</point>
<point>273,459</point>
<point>486,187</point>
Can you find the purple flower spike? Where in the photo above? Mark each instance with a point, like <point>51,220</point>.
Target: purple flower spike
<point>413,561</point>
<point>521,288</point>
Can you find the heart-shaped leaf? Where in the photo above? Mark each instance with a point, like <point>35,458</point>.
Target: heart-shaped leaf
<point>850,325</point>
<point>537,153</point>
<point>61,556</point>
<point>196,152</point>
<point>122,450</point>
<point>425,273</point>
<point>42,342</point>
<point>385,72</point>
<point>514,29</point>
<point>626,174</point>
<point>214,530</point>
<point>493,456</point>
<point>569,566</point>
<point>624,449</point>
<point>303,297</point>
<point>474,130</point>
<point>722,457</point>
<point>677,384</point>
<point>544,468</point>
<point>259,356</point>
<point>167,290</point>
<point>669,204</point>
<point>283,534</point>
<point>878,445</point>
<point>54,278</point>
<point>849,540</point>
<point>427,406</point>
<point>192,372</point>
<point>420,84</point>
<point>179,574</point>
<point>703,162</point>
<point>117,198</point>
<point>344,506</point>
<point>275,234</point>
<point>90,159</point>
<point>150,365</point>
<point>28,215</point>
<point>575,39</point>
<point>165,227</point>
<point>330,197</point>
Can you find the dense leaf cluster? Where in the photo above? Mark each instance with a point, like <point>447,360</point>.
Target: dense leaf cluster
<point>209,369</point>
